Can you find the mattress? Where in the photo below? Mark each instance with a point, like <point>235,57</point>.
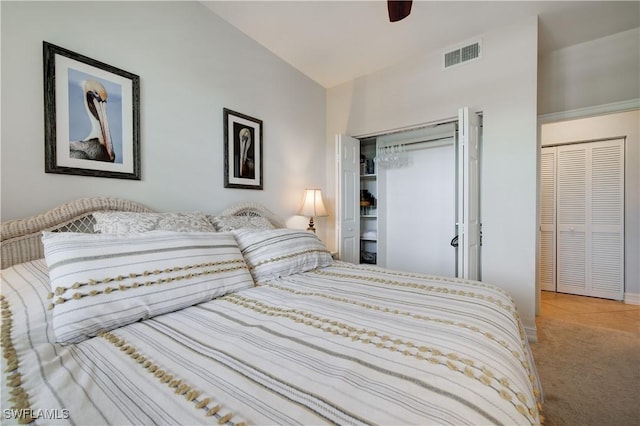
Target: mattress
<point>341,344</point>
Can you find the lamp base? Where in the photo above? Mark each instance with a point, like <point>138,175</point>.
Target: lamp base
<point>311,228</point>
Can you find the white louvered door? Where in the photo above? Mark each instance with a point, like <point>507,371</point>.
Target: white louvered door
<point>547,265</point>
<point>590,219</point>
<point>607,219</point>
<point>571,210</point>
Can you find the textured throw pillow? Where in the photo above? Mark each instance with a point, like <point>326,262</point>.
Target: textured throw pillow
<point>230,223</point>
<point>129,222</point>
<point>280,252</point>
<point>103,281</point>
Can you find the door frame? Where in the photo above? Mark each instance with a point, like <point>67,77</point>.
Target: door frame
<point>456,120</point>
<point>575,114</point>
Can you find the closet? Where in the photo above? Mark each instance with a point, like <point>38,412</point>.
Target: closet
<point>582,219</point>
<point>409,200</point>
<point>420,199</point>
<point>368,203</point>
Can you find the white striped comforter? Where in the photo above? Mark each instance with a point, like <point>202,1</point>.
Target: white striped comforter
<point>344,344</point>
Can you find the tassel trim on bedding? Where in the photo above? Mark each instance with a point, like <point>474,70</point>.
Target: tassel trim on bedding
<point>288,256</point>
<point>454,362</point>
<point>60,291</point>
<point>181,388</point>
<point>19,397</point>
<point>444,290</point>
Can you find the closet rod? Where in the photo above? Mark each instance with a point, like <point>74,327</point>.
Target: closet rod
<point>428,140</point>
<point>436,123</point>
<point>407,129</point>
<point>418,142</point>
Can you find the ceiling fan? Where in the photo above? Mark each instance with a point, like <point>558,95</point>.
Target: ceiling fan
<point>398,9</point>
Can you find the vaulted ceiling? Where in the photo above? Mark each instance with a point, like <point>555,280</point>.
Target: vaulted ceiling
<point>337,41</point>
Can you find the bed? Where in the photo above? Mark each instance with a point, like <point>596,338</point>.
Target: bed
<point>159,319</point>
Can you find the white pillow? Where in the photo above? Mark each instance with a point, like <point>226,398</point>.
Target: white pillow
<point>277,253</point>
<point>129,222</point>
<point>103,281</point>
<point>230,223</point>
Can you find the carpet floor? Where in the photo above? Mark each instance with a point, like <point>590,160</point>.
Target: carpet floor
<point>589,375</point>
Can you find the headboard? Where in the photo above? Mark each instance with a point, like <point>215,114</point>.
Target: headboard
<point>21,238</point>
<point>248,208</point>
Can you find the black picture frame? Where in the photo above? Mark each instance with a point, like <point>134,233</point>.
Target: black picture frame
<point>87,102</point>
<point>243,165</point>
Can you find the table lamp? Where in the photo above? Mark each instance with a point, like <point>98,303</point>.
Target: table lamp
<point>312,206</point>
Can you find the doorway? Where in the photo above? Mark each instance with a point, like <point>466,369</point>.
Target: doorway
<point>597,125</point>
<point>462,227</point>
<point>582,218</point>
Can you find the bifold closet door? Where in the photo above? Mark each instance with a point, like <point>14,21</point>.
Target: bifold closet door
<point>590,219</point>
<point>547,271</point>
<point>348,153</point>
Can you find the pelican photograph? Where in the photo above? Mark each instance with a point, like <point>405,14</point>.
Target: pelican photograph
<point>95,118</point>
<point>242,151</point>
<point>91,116</point>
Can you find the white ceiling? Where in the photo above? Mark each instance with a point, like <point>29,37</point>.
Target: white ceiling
<point>337,41</point>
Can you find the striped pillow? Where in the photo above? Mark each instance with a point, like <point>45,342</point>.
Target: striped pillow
<point>277,253</point>
<point>103,281</point>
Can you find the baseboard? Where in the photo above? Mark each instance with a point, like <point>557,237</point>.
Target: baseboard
<point>632,298</point>
<point>532,333</point>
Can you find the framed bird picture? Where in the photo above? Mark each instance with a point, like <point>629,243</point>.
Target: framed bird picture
<point>91,116</point>
<point>242,151</point>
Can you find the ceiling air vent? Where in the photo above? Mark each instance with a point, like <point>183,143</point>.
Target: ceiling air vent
<point>461,55</point>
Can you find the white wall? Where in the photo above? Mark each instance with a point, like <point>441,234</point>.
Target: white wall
<point>597,72</point>
<point>427,185</point>
<point>626,125</point>
<point>191,65</point>
<point>503,85</point>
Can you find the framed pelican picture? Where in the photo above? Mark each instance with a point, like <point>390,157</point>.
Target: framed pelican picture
<point>242,151</point>
<point>91,115</point>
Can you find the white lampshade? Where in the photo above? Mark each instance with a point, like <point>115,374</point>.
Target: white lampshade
<point>312,205</point>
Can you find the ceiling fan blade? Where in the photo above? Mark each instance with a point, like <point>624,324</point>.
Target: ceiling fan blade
<point>398,9</point>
